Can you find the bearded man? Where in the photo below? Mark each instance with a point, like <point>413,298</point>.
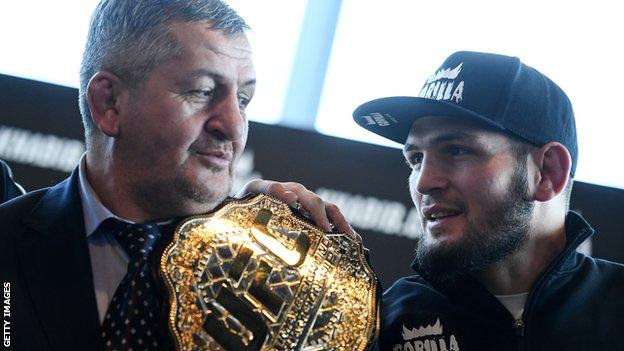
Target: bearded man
<point>492,147</point>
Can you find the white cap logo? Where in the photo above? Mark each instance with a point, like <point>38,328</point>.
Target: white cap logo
<point>379,119</point>
<point>441,85</point>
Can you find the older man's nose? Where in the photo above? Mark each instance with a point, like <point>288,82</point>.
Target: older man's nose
<point>226,119</point>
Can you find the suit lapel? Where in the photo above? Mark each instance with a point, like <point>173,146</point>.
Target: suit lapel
<point>55,258</point>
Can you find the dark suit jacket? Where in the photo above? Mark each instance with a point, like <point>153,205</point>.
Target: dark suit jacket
<point>8,188</point>
<point>45,258</point>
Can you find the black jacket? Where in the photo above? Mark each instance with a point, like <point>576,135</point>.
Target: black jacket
<point>577,304</point>
<point>8,188</point>
<point>46,271</point>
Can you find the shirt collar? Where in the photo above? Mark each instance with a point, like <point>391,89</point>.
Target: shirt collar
<point>93,211</point>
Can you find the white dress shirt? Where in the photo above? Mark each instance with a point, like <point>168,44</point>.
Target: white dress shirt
<point>109,261</point>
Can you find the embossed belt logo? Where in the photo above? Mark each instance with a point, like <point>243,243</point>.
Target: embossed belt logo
<point>253,276</point>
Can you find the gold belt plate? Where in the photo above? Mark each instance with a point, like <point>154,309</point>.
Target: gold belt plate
<point>254,276</point>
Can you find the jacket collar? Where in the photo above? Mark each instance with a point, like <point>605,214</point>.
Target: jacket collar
<point>577,231</point>
<point>55,259</point>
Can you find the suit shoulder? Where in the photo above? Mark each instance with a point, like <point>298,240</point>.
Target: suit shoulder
<point>12,227</point>
<point>17,208</point>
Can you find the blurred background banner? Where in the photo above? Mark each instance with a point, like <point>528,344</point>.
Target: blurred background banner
<point>41,138</point>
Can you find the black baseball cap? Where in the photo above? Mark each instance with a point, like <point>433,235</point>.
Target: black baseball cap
<point>497,90</point>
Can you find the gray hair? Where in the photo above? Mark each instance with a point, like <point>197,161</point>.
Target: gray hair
<point>131,37</point>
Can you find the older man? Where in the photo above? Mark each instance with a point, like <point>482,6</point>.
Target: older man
<point>492,147</point>
<point>163,91</point>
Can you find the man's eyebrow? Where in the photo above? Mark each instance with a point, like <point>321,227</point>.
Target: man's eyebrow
<point>199,73</point>
<point>444,138</point>
<point>216,76</point>
<point>408,147</point>
<point>248,83</point>
<point>454,136</point>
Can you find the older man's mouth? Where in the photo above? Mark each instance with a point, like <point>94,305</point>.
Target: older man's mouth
<point>213,158</point>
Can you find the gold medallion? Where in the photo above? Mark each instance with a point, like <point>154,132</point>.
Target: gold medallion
<point>252,275</point>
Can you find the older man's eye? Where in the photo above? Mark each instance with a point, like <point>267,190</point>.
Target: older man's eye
<point>201,93</point>
<point>243,101</point>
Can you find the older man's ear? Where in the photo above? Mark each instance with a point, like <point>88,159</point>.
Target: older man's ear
<point>106,93</point>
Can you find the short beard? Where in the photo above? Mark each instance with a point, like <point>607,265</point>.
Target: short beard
<point>206,195</point>
<point>506,230</point>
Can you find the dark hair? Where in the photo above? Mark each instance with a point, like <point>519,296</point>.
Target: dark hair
<point>131,37</point>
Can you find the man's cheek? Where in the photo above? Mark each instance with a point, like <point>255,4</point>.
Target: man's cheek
<point>412,187</point>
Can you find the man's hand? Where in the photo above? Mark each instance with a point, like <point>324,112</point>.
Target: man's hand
<point>324,214</point>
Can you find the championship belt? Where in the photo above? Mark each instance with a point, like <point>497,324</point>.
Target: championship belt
<point>254,275</point>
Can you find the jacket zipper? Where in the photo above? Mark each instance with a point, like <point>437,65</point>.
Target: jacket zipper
<point>519,327</point>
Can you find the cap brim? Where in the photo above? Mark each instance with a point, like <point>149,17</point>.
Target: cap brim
<point>392,117</point>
